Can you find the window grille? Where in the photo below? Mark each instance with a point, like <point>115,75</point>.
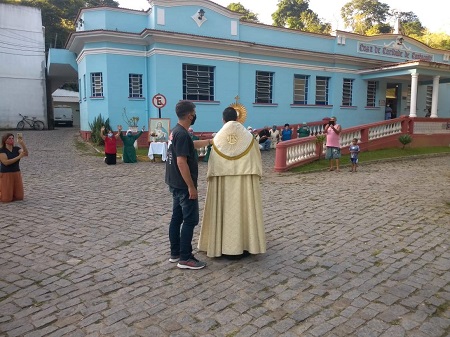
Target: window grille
<point>301,89</point>
<point>347,92</point>
<point>97,85</point>
<point>322,90</point>
<point>429,97</point>
<point>198,82</point>
<point>135,86</point>
<point>371,93</point>
<point>264,87</point>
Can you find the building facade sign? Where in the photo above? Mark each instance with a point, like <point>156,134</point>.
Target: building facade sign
<point>397,52</point>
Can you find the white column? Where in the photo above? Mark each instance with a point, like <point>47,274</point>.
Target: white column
<point>434,99</point>
<point>413,107</point>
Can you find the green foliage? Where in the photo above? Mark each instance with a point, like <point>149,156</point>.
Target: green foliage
<point>370,17</point>
<point>296,14</point>
<point>246,14</point>
<point>381,28</point>
<point>95,126</point>
<point>410,24</point>
<point>320,139</point>
<point>434,40</point>
<point>405,140</point>
<point>361,15</point>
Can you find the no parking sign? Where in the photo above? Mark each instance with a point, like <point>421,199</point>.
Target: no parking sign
<point>159,101</point>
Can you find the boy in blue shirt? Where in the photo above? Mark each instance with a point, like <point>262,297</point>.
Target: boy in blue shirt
<point>354,151</point>
<point>286,133</point>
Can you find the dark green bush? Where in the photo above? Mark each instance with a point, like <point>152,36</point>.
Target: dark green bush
<point>95,126</point>
<point>405,140</point>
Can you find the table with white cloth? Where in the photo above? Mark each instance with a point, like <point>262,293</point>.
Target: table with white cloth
<point>158,148</point>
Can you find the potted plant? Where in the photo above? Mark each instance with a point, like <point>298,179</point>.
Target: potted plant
<point>132,122</point>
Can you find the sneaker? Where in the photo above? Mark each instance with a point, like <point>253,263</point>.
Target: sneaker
<point>192,263</point>
<point>174,258</point>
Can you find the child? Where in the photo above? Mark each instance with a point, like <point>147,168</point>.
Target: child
<point>354,150</point>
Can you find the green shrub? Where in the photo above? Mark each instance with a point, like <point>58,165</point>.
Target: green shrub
<point>319,140</point>
<point>405,140</point>
<point>95,126</point>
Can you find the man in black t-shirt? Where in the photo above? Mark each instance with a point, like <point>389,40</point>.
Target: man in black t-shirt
<point>181,176</point>
<point>264,139</point>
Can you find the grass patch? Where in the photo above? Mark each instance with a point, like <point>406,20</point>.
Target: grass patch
<point>376,252</point>
<point>406,251</point>
<point>368,156</point>
<point>444,307</point>
<point>378,263</point>
<point>81,146</point>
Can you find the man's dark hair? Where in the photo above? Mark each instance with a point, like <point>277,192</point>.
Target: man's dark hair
<point>229,114</point>
<point>183,108</point>
<point>287,124</point>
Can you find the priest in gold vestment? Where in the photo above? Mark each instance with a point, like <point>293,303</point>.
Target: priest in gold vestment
<point>232,217</point>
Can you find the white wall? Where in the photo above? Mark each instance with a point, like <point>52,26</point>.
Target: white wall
<point>22,65</point>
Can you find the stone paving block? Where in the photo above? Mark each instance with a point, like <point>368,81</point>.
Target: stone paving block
<point>432,329</point>
<point>366,331</point>
<point>321,329</point>
<point>247,331</point>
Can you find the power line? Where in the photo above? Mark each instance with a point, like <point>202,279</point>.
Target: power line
<point>21,47</point>
<point>2,52</point>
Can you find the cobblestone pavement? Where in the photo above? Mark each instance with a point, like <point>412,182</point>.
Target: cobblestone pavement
<point>349,254</point>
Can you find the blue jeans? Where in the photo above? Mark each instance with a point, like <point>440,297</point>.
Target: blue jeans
<point>184,218</point>
<point>265,146</point>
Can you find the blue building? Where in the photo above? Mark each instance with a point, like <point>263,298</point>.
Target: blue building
<point>200,51</point>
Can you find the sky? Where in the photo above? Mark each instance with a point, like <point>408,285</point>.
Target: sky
<point>434,14</point>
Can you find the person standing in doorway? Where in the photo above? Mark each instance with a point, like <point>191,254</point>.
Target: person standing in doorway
<point>388,112</point>
<point>333,130</point>
<point>181,176</point>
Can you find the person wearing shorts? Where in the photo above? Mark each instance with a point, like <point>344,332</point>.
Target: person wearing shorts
<point>333,130</point>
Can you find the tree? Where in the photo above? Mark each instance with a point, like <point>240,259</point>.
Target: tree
<point>410,23</point>
<point>362,15</point>
<point>58,16</point>
<point>296,14</point>
<point>434,40</point>
<point>246,14</point>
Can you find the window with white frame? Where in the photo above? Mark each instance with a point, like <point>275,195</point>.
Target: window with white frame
<point>322,90</point>
<point>96,85</point>
<point>347,92</point>
<point>198,82</point>
<point>264,87</point>
<point>371,93</point>
<point>135,86</point>
<point>301,89</point>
